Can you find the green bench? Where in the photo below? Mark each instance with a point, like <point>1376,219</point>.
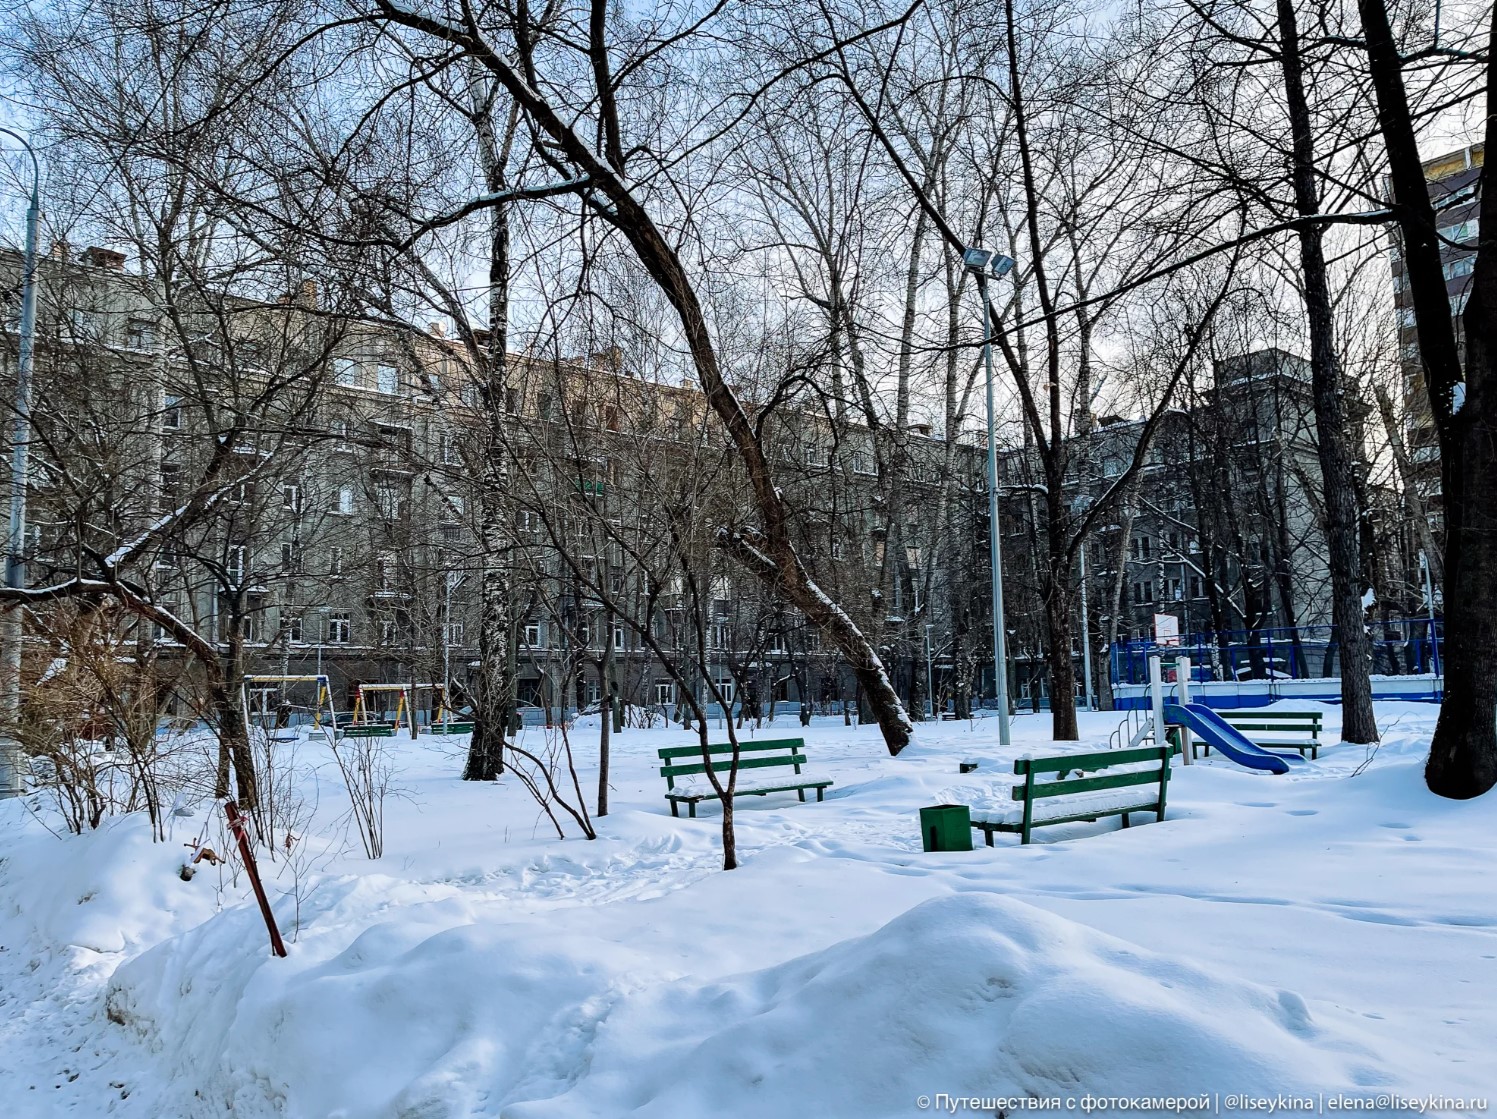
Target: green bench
<point>367,730</point>
<point>1093,793</point>
<point>781,753</point>
<point>451,727</point>
<point>1270,728</point>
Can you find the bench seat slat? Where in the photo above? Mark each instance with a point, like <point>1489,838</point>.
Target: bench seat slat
<point>706,792</point>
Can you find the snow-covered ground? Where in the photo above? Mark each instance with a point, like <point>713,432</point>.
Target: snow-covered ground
<point>1329,931</point>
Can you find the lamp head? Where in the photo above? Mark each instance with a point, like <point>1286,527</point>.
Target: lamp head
<point>985,262</point>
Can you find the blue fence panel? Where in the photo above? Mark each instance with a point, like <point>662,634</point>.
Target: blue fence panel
<point>1399,648</point>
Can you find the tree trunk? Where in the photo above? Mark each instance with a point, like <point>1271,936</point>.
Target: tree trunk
<point>495,637</point>
<point>606,723</point>
<point>1343,536</point>
<point>1463,756</point>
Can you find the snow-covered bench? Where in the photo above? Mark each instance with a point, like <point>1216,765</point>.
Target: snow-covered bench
<point>1106,783</point>
<point>687,782</point>
<point>1278,730</point>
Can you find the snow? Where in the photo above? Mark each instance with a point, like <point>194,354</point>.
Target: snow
<point>1331,930</point>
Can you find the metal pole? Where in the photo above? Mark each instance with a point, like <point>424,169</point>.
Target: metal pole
<point>930,695</point>
<point>12,762</point>
<point>1429,599</point>
<point>1086,638</point>
<point>995,544</point>
<point>447,656</point>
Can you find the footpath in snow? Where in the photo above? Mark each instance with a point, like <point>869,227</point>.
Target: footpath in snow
<point>1330,931</point>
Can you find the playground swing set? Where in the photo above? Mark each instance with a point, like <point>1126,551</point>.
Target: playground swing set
<point>265,703</point>
<point>370,721</point>
<point>256,690</point>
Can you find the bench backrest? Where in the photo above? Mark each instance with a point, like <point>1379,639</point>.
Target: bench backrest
<point>1029,768</point>
<point>764,754</point>
<point>1274,720</point>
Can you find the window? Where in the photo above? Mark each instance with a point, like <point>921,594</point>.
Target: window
<point>140,334</point>
<point>447,450</point>
<point>816,455</point>
<point>722,636</point>
<point>344,505</point>
<point>545,406</point>
<point>345,371</point>
<point>1197,589</point>
<point>512,401</point>
<point>237,562</point>
<point>1457,268</point>
<point>532,635</point>
<point>335,561</point>
<point>665,692</point>
<point>171,486</point>
<point>291,496</point>
<point>293,629</point>
<point>530,521</point>
<point>83,322</point>
<point>837,548</point>
<point>387,572</point>
<point>1461,231</point>
<point>339,629</point>
<point>618,638</point>
<point>863,463</point>
<point>338,429</point>
<point>1174,590</point>
<point>454,633</point>
<point>724,686</point>
<point>387,631</point>
<point>171,413</point>
<point>290,557</point>
<point>1143,591</point>
<point>387,378</point>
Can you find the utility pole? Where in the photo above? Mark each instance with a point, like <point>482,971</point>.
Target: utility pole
<point>12,761</point>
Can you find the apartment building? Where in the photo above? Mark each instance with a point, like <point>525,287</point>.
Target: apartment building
<point>1455,189</point>
<point>324,485</point>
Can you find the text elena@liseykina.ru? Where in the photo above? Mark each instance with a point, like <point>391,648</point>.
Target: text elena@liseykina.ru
<point>1208,1103</point>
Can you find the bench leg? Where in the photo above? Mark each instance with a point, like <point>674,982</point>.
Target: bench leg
<point>819,796</point>
<point>692,808</point>
<point>989,833</point>
<point>802,794</point>
<point>674,813</point>
<point>1125,819</point>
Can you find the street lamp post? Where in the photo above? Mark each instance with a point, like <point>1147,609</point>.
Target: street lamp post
<point>453,579</point>
<point>11,762</point>
<point>930,694</point>
<point>1086,638</point>
<point>1080,506</point>
<point>983,263</point>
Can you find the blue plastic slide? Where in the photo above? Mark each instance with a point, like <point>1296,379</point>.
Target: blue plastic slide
<point>1212,728</point>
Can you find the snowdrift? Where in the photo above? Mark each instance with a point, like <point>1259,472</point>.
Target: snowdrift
<point>971,994</point>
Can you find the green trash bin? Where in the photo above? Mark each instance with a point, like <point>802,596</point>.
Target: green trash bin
<point>946,827</point>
